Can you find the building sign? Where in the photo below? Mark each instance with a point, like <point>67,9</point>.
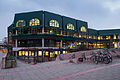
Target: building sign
<point>83,29</point>
<point>70,27</point>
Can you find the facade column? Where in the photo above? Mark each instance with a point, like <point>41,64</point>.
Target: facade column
<point>16,54</point>
<point>96,45</point>
<point>43,41</point>
<point>87,44</point>
<point>43,30</point>
<point>43,38</point>
<point>16,43</point>
<point>61,43</point>
<point>42,56</point>
<point>75,41</point>
<point>61,40</point>
<point>117,44</point>
<point>87,41</point>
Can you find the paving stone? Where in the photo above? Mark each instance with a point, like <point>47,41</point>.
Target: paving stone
<point>59,69</point>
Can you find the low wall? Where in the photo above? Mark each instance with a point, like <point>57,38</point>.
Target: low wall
<point>85,54</point>
<point>8,63</point>
<point>79,54</point>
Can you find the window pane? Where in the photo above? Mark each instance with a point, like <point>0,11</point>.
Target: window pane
<point>54,23</point>
<point>20,23</point>
<point>34,22</point>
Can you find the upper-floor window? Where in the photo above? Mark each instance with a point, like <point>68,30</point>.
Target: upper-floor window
<point>20,23</point>
<point>107,37</point>
<point>90,36</point>
<point>34,22</point>
<point>115,36</point>
<point>70,26</point>
<point>83,29</point>
<point>98,37</point>
<point>54,23</point>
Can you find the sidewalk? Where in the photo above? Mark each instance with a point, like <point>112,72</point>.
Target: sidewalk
<point>62,70</point>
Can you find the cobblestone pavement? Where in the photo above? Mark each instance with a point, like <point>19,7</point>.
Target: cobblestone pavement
<point>62,70</point>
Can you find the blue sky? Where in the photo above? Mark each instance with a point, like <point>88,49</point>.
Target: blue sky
<point>100,14</point>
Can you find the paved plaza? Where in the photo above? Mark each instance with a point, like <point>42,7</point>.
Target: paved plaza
<point>62,70</point>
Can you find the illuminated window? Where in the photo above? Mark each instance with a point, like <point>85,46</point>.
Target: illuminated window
<point>99,37</point>
<point>83,29</point>
<point>26,53</point>
<point>30,53</point>
<point>115,44</point>
<point>94,37</point>
<point>34,22</point>
<point>80,35</point>
<point>107,37</point>
<point>39,53</point>
<point>20,53</point>
<point>20,23</point>
<point>56,52</point>
<point>54,23</point>
<point>52,54</point>
<point>46,53</point>
<point>90,37</point>
<point>114,36</point>
<point>64,52</point>
<point>70,26</point>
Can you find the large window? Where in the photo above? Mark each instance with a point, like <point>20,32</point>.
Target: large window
<point>70,26</point>
<point>54,23</point>
<point>34,22</point>
<point>20,23</point>
<point>83,29</point>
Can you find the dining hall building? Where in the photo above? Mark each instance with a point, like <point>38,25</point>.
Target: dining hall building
<point>42,35</point>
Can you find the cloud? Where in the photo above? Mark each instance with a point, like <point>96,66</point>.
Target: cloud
<point>113,6</point>
<point>100,14</point>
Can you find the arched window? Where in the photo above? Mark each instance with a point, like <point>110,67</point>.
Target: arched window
<point>34,22</point>
<point>70,26</point>
<point>54,23</point>
<point>83,29</point>
<point>20,23</point>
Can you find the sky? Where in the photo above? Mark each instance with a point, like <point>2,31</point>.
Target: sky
<point>100,14</point>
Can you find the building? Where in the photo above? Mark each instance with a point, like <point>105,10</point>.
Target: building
<point>5,41</point>
<point>1,45</point>
<point>42,35</point>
